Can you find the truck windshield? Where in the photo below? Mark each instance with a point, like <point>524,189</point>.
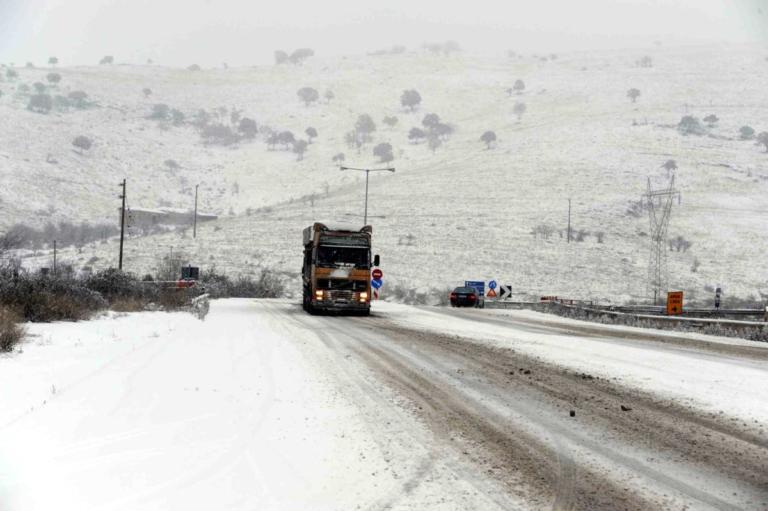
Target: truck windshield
<point>340,257</point>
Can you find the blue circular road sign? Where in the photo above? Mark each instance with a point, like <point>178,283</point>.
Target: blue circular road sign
<point>376,283</point>
<point>492,284</point>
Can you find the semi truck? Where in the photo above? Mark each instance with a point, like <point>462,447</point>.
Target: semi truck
<point>336,274</point>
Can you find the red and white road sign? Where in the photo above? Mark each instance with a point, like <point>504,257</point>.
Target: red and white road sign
<point>377,273</point>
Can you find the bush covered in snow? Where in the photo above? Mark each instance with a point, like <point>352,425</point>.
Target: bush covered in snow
<point>11,332</point>
<point>219,285</point>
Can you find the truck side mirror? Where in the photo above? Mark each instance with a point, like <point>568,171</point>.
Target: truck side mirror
<point>376,260</point>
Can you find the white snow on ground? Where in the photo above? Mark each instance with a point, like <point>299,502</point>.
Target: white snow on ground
<point>713,383</point>
<point>161,411</point>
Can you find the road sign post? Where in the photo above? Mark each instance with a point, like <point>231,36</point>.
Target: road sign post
<point>674,303</point>
<point>505,292</point>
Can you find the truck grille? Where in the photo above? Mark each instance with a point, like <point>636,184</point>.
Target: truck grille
<point>343,295</point>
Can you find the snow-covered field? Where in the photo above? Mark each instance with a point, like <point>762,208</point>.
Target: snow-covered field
<point>463,212</point>
<point>261,406</point>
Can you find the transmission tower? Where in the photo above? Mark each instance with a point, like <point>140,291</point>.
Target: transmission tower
<point>659,211</point>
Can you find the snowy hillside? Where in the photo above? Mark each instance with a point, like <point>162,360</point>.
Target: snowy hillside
<point>462,211</point>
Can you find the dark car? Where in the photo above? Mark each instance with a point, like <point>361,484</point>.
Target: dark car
<point>464,297</point>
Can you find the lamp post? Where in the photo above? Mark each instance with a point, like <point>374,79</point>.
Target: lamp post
<point>194,225</point>
<point>367,171</point>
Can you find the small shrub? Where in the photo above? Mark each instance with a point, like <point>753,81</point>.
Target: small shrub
<point>762,139</point>
<point>390,121</point>
<point>416,135</point>
<point>40,103</point>
<point>54,78</point>
<point>82,143</point>
<point>711,120</point>
<point>281,57</point>
<point>746,133</point>
<point>194,68</point>
<point>248,127</point>
<point>311,133</point>
<point>53,61</point>
<point>519,86</point>
<point>39,87</point>
<point>300,55</point>
<point>430,121</point>
<point>107,59</point>
<point>160,112</point>
<point>519,110</point>
<point>339,158</point>
<point>633,94</point>
<point>690,125</point>
<point>300,147</point>
<point>328,96</point>
<point>365,126</point>
<point>147,92</point>
<point>11,332</point>
<point>79,99</point>
<point>218,134</point>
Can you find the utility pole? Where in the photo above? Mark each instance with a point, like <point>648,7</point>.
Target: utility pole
<point>659,215</point>
<point>54,257</point>
<point>194,225</point>
<point>122,227</point>
<point>569,220</point>
<point>367,171</point>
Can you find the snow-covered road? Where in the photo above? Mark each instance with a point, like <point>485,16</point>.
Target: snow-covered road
<point>261,406</point>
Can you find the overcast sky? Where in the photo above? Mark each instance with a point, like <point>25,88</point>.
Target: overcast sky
<point>246,32</point>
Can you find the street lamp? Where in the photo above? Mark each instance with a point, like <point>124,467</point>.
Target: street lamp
<point>367,171</point>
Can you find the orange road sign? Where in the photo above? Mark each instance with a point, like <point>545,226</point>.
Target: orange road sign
<point>491,293</point>
<point>674,303</point>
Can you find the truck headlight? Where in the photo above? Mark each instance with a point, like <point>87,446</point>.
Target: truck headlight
<point>319,294</point>
<point>364,295</point>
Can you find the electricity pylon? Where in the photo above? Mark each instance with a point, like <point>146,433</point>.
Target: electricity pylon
<point>659,212</point>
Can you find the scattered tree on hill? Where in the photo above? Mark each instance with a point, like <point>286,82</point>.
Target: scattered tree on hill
<point>194,67</point>
<point>308,95</point>
<point>353,139</point>
<point>711,120</point>
<point>23,88</point>
<point>633,94</point>
<point>29,65</point>
<point>39,87</point>
<point>54,78</point>
<point>234,116</point>
<point>762,139</point>
<point>434,142</point>
<point>107,59</point>
<point>442,130</point>
<point>147,92</point>
<point>390,121</point>
<point>11,74</point>
<point>218,134</point>
<point>416,135</point>
<point>82,143</point>
<point>645,61</point>
<point>300,55</point>
<point>690,125</point>
<point>384,152</point>
<point>311,133</point>
<point>272,140</point>
<point>280,57</point>
<point>430,121</point>
<point>365,127</point>
<point>286,138</point>
<point>172,164</point>
<point>328,96</point>
<point>160,112</point>
<point>679,243</point>
<point>746,133</point>
<point>339,158</point>
<point>248,127</point>
<point>177,117</point>
<point>40,103</point>
<point>300,147</point>
<point>669,166</point>
<point>519,110</point>
<point>410,99</point>
<point>489,137</point>
<point>53,61</point>
<point>79,99</point>
<point>519,86</point>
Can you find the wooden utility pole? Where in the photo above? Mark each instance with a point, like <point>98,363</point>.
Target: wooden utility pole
<point>122,227</point>
<point>54,257</point>
<point>569,220</point>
